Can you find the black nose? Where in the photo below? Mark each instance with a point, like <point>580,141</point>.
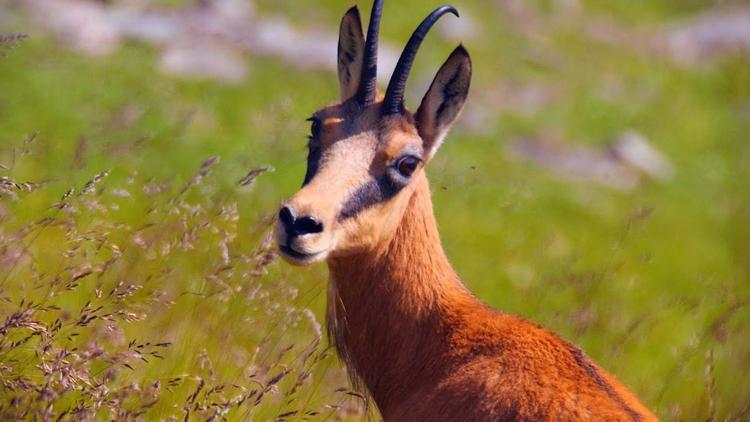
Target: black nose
<point>299,226</point>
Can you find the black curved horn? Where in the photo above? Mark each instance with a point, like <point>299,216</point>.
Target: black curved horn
<point>369,81</point>
<point>394,97</point>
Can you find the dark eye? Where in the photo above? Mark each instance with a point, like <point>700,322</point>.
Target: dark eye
<point>407,165</point>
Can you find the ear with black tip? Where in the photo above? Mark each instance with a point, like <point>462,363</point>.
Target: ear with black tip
<point>444,101</point>
<point>351,53</point>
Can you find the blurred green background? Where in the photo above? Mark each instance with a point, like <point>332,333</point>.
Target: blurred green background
<point>650,278</point>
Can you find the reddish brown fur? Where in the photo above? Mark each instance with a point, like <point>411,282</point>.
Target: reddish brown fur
<point>399,316</point>
<point>427,350</point>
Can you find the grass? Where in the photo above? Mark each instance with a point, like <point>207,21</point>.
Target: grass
<point>151,290</point>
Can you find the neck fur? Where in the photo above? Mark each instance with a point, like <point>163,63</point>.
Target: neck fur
<point>387,309</point>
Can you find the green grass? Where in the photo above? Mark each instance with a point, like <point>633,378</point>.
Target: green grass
<point>654,284</point>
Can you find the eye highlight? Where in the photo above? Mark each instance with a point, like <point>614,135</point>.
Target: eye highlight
<point>407,165</point>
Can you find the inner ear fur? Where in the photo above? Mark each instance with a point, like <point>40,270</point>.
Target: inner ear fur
<point>444,100</point>
<point>350,53</point>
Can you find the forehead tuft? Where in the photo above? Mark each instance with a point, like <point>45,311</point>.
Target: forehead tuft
<point>395,133</point>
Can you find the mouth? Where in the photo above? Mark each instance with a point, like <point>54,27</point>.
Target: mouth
<point>299,257</point>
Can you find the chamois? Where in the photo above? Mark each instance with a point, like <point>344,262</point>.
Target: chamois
<point>410,333</point>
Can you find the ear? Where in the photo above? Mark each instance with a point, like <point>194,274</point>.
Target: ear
<point>351,53</point>
<point>444,101</point>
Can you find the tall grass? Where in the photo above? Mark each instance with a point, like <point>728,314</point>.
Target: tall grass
<point>80,287</point>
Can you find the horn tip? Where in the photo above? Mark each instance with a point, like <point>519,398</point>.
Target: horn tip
<point>450,9</point>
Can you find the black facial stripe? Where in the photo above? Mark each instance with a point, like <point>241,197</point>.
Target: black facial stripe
<point>313,162</point>
<point>378,190</point>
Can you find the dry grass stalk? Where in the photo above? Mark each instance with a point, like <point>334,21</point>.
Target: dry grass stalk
<point>67,349</point>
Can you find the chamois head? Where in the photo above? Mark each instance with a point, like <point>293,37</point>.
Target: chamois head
<point>366,150</point>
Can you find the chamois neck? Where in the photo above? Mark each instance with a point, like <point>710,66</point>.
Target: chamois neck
<point>412,270</point>
<point>387,307</point>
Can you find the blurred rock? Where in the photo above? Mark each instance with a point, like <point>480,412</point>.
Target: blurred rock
<point>526,99</point>
<point>567,6</point>
<point>717,31</point>
<point>480,116</point>
<point>308,50</point>
<point>204,40</point>
<point>620,166</point>
<point>461,30</point>
<point>82,25</point>
<point>210,62</point>
<point>634,150</point>
<point>521,16</point>
<point>606,30</point>
<point>710,36</point>
<point>577,163</point>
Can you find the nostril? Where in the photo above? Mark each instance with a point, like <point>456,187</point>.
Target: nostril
<point>299,226</point>
<point>286,217</point>
<point>308,225</point>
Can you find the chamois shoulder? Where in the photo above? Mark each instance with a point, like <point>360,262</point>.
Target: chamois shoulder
<point>519,370</point>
